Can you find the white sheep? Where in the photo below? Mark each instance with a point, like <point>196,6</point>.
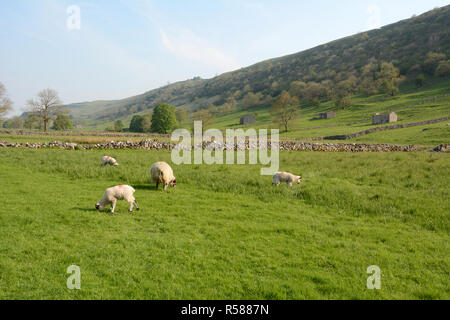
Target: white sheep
<point>109,160</point>
<point>122,192</point>
<point>161,172</point>
<point>287,177</point>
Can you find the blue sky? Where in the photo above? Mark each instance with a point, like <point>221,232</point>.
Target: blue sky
<point>127,47</point>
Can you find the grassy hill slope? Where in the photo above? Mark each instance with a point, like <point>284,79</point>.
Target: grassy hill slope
<point>405,44</point>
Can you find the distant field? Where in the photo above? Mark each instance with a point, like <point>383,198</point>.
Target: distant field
<point>431,135</point>
<point>74,137</point>
<point>224,232</point>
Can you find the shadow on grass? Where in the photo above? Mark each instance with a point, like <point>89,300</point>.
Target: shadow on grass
<point>148,187</point>
<point>85,209</point>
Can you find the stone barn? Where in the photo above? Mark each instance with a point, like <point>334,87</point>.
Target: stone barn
<point>248,119</point>
<point>384,118</point>
<point>327,115</point>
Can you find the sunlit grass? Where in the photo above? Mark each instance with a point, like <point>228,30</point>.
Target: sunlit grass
<point>224,232</point>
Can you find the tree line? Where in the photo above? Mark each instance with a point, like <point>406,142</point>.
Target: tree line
<point>42,111</point>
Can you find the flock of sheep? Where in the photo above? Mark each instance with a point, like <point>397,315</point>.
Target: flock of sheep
<point>161,173</point>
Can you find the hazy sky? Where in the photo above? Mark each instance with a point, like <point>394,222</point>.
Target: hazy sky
<point>127,47</point>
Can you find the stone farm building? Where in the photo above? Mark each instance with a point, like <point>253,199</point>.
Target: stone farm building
<point>384,118</point>
<point>327,115</point>
<point>248,119</point>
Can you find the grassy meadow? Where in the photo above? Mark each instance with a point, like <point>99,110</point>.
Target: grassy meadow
<point>224,232</point>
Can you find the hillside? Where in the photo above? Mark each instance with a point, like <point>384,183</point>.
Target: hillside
<point>401,43</point>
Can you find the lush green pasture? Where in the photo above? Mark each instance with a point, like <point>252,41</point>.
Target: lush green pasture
<point>224,232</point>
<point>75,137</point>
<point>431,135</point>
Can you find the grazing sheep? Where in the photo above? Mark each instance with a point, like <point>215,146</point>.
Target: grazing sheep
<point>108,160</point>
<point>161,172</point>
<point>285,177</point>
<point>122,192</point>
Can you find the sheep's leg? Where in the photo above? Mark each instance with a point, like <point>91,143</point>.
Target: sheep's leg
<point>136,205</point>
<point>113,205</point>
<point>157,185</point>
<point>131,206</point>
<point>165,186</point>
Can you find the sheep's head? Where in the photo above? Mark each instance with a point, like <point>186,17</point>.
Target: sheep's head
<point>99,206</point>
<point>173,183</point>
<point>299,179</point>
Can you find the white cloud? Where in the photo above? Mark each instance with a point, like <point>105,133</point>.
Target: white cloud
<point>374,19</point>
<point>188,46</point>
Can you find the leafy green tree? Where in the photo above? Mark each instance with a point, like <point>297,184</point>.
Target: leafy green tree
<point>140,123</point>
<point>164,119</point>
<point>285,109</point>
<point>136,124</point>
<point>432,61</point>
<point>388,78</point>
<point>297,89</point>
<point>314,91</point>
<point>443,69</point>
<point>227,108</point>
<point>62,122</point>
<point>368,84</point>
<point>420,80</point>
<point>118,126</point>
<point>343,92</point>
<point>147,123</point>
<point>251,99</point>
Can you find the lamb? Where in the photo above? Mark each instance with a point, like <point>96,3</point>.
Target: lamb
<point>122,192</point>
<point>287,177</point>
<point>109,160</point>
<point>161,172</point>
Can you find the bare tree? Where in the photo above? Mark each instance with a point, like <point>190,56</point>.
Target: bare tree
<point>5,102</point>
<point>47,106</point>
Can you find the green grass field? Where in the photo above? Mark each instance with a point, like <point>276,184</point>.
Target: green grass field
<point>74,137</point>
<point>224,232</point>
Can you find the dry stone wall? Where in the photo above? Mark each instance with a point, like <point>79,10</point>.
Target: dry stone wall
<point>214,145</point>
